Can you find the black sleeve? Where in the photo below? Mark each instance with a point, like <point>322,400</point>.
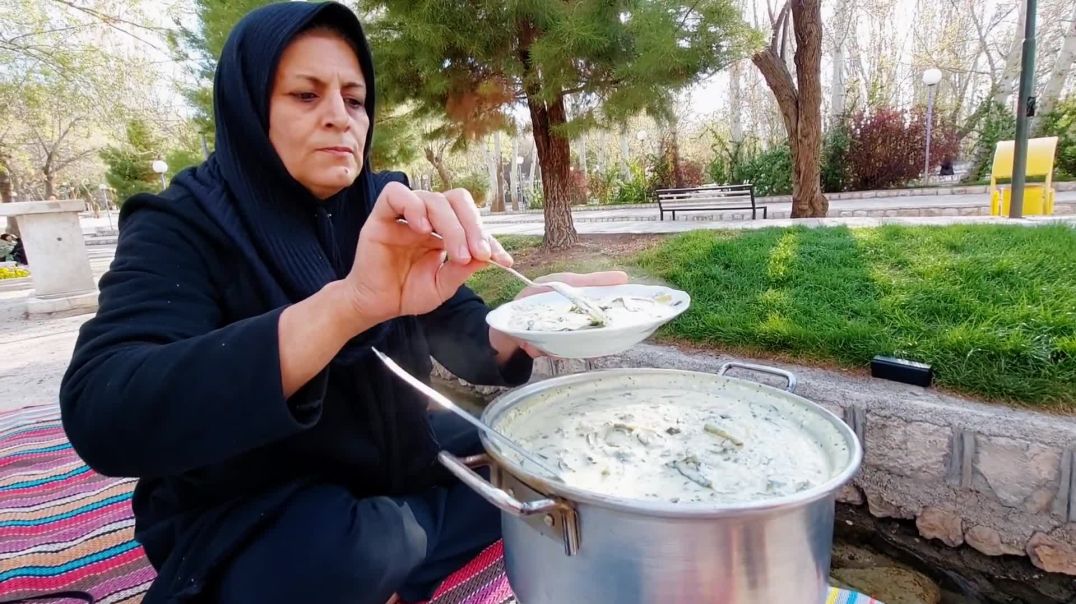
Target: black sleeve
<point>459,339</point>
<point>157,385</point>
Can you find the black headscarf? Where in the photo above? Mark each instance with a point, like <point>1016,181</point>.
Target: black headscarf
<point>282,229</point>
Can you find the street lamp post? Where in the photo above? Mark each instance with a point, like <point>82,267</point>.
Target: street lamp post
<point>931,77</point>
<point>160,168</point>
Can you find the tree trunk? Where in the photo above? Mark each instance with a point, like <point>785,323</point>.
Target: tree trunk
<point>807,191</point>
<point>498,200</point>
<point>554,151</point>
<point>534,165</point>
<point>736,104</point>
<point>1061,69</point>
<point>438,162</point>
<point>5,186</point>
<point>801,108</point>
<point>1006,86</point>
<point>554,154</point>
<point>515,185</point>
<point>491,170</point>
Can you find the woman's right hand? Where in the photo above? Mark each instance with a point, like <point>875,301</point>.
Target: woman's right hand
<point>402,269</point>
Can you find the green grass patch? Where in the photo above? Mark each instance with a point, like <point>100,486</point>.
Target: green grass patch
<point>992,308</point>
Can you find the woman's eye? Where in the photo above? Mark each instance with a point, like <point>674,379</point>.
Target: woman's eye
<point>305,96</point>
<point>354,103</point>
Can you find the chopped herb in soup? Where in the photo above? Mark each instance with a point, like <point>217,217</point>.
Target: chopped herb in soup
<point>620,310</point>
<point>675,446</point>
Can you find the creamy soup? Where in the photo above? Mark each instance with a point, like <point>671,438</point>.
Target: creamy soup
<point>620,310</point>
<point>675,446</point>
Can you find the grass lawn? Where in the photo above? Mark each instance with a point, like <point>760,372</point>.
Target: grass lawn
<point>992,308</point>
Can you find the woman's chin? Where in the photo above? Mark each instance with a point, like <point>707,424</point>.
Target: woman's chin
<point>332,181</point>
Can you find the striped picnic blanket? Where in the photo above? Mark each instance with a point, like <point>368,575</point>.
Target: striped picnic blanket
<point>67,529</point>
<point>64,527</point>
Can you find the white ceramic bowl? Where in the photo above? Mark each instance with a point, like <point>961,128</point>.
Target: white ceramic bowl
<point>592,341</point>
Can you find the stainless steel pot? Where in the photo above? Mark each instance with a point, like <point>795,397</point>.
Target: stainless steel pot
<point>564,545</point>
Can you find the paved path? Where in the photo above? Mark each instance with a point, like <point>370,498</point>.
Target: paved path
<point>657,227</point>
<point>907,204</point>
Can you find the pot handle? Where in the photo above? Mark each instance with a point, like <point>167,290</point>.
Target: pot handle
<point>557,520</point>
<point>462,469</point>
<point>790,377</point>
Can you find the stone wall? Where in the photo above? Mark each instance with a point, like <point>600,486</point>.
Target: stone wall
<point>997,479</point>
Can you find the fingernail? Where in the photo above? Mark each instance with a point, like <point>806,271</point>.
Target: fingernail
<point>463,254</point>
<point>483,247</point>
<point>426,226</point>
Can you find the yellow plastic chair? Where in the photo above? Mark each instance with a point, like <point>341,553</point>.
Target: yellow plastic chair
<point>1038,196</point>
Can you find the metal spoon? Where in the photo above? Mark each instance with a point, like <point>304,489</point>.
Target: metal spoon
<point>572,294</point>
<point>444,401</point>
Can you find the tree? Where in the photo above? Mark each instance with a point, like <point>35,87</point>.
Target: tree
<point>800,100</point>
<point>130,164</point>
<point>475,62</point>
<point>1061,69</point>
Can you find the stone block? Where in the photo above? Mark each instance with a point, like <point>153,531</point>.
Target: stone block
<point>909,212</point>
<point>1052,554</point>
<point>944,525</point>
<point>880,507</point>
<point>988,541</point>
<point>851,494</point>
<point>860,213</point>
<point>1020,474</point>
<point>969,211</point>
<point>891,584</point>
<point>950,211</point>
<point>917,450</point>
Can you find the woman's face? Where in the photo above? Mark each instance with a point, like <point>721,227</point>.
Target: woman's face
<point>317,112</point>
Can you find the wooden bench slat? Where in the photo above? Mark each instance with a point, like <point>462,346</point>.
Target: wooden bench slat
<point>714,197</point>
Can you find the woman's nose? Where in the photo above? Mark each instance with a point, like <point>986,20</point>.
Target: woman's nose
<point>336,115</point>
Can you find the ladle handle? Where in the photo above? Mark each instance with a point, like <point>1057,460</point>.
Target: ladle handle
<point>445,402</point>
<point>789,376</point>
<point>461,469</point>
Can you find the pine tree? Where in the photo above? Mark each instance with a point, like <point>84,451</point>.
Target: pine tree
<point>474,62</point>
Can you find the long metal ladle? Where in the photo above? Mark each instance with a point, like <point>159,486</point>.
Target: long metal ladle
<point>444,401</point>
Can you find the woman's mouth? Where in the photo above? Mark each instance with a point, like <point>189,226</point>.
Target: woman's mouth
<point>338,151</point>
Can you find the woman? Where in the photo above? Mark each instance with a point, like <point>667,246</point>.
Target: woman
<point>229,364</point>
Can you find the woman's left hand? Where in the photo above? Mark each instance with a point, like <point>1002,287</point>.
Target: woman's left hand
<point>506,345</point>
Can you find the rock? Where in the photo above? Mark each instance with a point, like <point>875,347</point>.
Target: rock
<point>988,541</point>
<point>846,555</point>
<point>891,585</point>
<point>914,449</point>
<point>944,525</point>
<point>1052,555</point>
<point>851,495</point>
<point>882,508</point>
<point>1019,473</point>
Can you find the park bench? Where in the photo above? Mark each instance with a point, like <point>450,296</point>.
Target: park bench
<point>709,197</point>
<point>1038,196</point>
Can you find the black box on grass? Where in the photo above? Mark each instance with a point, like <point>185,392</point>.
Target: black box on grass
<point>902,370</point>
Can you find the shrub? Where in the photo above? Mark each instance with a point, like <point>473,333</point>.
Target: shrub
<point>478,185</point>
<point>1061,122</point>
<point>770,171</point>
<point>886,147</point>
<point>997,123</point>
<point>836,170</point>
